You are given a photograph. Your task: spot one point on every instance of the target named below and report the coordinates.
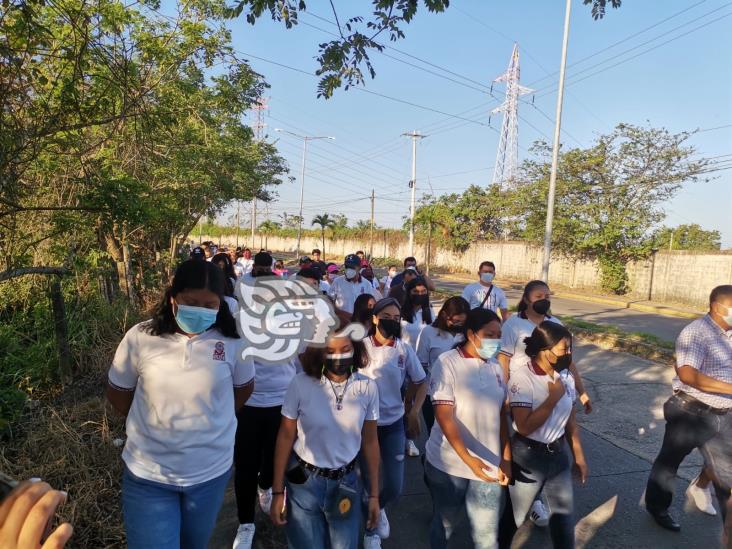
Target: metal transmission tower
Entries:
(258, 128)
(507, 155)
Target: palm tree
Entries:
(325, 222)
(268, 228)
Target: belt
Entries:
(697, 405)
(548, 447)
(331, 474)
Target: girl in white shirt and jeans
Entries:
(179, 379)
(329, 415)
(468, 453)
(541, 396)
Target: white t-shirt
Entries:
(386, 281)
(476, 390)
(513, 333)
(475, 294)
(324, 286)
(411, 330)
(246, 265)
(328, 437)
(271, 382)
(432, 343)
(181, 426)
(528, 389)
(389, 366)
(344, 292)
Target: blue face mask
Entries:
(489, 348)
(194, 320)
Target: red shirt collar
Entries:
(536, 368)
(390, 343)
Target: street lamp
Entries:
(305, 139)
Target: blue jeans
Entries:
(164, 516)
(317, 515)
(482, 501)
(391, 447)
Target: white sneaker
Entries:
(702, 497)
(383, 529)
(265, 499)
(371, 542)
(244, 536)
(412, 450)
(539, 515)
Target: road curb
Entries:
(665, 311)
(594, 299)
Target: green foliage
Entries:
(687, 237)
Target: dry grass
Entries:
(71, 448)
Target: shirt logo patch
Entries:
(400, 362)
(219, 353)
(514, 388)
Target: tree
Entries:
(608, 197)
(688, 237)
(325, 221)
(341, 59)
(268, 228)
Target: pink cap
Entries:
(332, 269)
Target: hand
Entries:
(504, 472)
(586, 402)
(479, 468)
(413, 425)
(277, 511)
(25, 515)
(374, 512)
(581, 470)
(556, 390)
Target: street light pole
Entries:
(555, 151)
(413, 184)
(305, 139)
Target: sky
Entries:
(676, 74)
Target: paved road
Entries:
(627, 320)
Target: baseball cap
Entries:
(309, 273)
(197, 253)
(352, 260)
(332, 268)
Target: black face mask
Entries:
(562, 362)
(421, 300)
(542, 306)
(455, 328)
(390, 328)
(339, 366)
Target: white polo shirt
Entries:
(528, 389)
(389, 366)
(246, 265)
(344, 292)
(411, 330)
(513, 333)
(476, 390)
(271, 382)
(432, 342)
(328, 437)
(475, 294)
(181, 426)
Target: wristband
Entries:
(278, 493)
(584, 398)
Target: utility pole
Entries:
(371, 246)
(555, 151)
(305, 139)
(238, 209)
(254, 218)
(259, 125)
(413, 185)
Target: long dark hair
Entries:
(455, 305)
(360, 309)
(228, 268)
(193, 274)
(545, 336)
(477, 318)
(408, 307)
(523, 304)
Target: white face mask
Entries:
(331, 276)
(392, 274)
(351, 273)
(487, 277)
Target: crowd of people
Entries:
(319, 442)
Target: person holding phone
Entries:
(329, 415)
(468, 453)
(546, 439)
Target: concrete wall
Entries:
(678, 276)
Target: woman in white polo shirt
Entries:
(390, 363)
(179, 378)
(468, 452)
(416, 311)
(440, 337)
(328, 417)
(541, 396)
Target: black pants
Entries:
(686, 428)
(256, 435)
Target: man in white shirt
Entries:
(246, 262)
(345, 289)
(483, 294)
